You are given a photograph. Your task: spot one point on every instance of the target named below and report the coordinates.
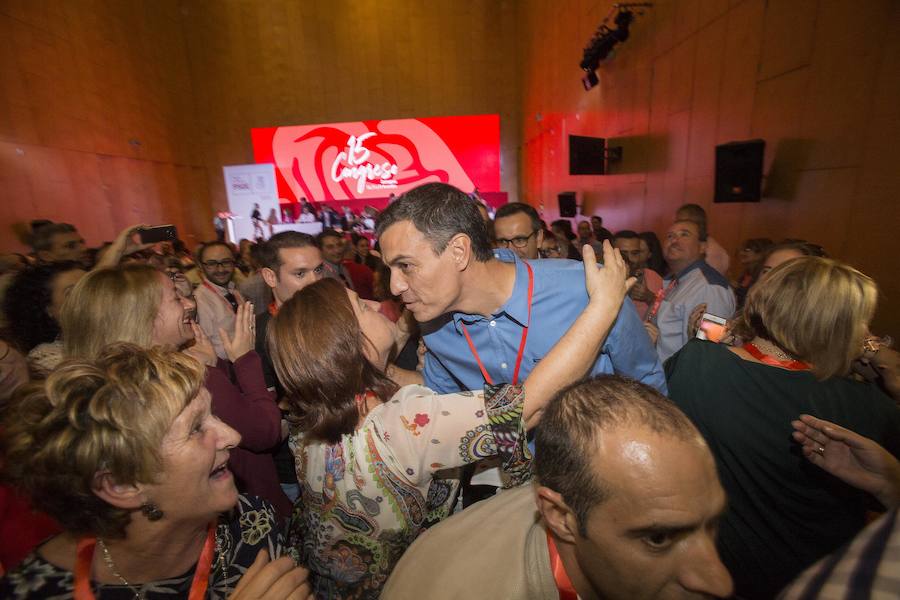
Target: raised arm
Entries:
(852, 458)
(577, 350)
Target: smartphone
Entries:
(159, 233)
(711, 328)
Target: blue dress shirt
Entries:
(559, 298)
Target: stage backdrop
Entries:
(368, 160)
(246, 186)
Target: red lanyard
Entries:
(563, 583)
(657, 302)
(791, 365)
(84, 556)
(219, 295)
(515, 378)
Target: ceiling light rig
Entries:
(605, 39)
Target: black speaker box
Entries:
(586, 155)
(739, 171)
(567, 207)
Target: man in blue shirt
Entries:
(474, 302)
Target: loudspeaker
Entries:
(567, 206)
(739, 171)
(586, 155)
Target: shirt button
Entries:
(493, 323)
(502, 365)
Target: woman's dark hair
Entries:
(655, 261)
(28, 298)
(565, 226)
(316, 346)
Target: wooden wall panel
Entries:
(281, 62)
(96, 118)
(818, 80)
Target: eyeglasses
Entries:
(517, 242)
(213, 264)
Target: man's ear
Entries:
(460, 248)
(125, 496)
(540, 238)
(703, 248)
(556, 513)
(269, 277)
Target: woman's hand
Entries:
(606, 285)
(652, 331)
(123, 245)
(850, 457)
(202, 351)
(244, 339)
(694, 320)
(273, 580)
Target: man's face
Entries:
(333, 249)
(682, 245)
(550, 248)
(584, 230)
(66, 246)
(596, 224)
(655, 536)
(631, 252)
(428, 284)
(515, 230)
(299, 268)
(218, 265)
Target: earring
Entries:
(151, 511)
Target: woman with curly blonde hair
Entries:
(124, 452)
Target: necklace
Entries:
(107, 558)
(772, 348)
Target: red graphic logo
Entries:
(372, 159)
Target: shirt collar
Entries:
(694, 265)
(516, 306)
(222, 290)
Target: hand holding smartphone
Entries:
(712, 328)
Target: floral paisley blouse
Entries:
(365, 499)
(252, 526)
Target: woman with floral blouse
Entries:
(367, 453)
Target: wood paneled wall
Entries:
(97, 123)
(283, 62)
(819, 80)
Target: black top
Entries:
(784, 513)
(251, 526)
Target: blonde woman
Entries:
(139, 304)
(805, 322)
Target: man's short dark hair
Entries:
(440, 211)
(327, 233)
(571, 427)
(267, 252)
(514, 208)
(207, 245)
(42, 235)
(693, 212)
(626, 234)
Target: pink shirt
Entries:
(654, 283)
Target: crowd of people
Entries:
(452, 405)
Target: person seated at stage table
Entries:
(149, 508)
(806, 319)
(140, 305)
(367, 453)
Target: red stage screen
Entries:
(373, 159)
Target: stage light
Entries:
(605, 39)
